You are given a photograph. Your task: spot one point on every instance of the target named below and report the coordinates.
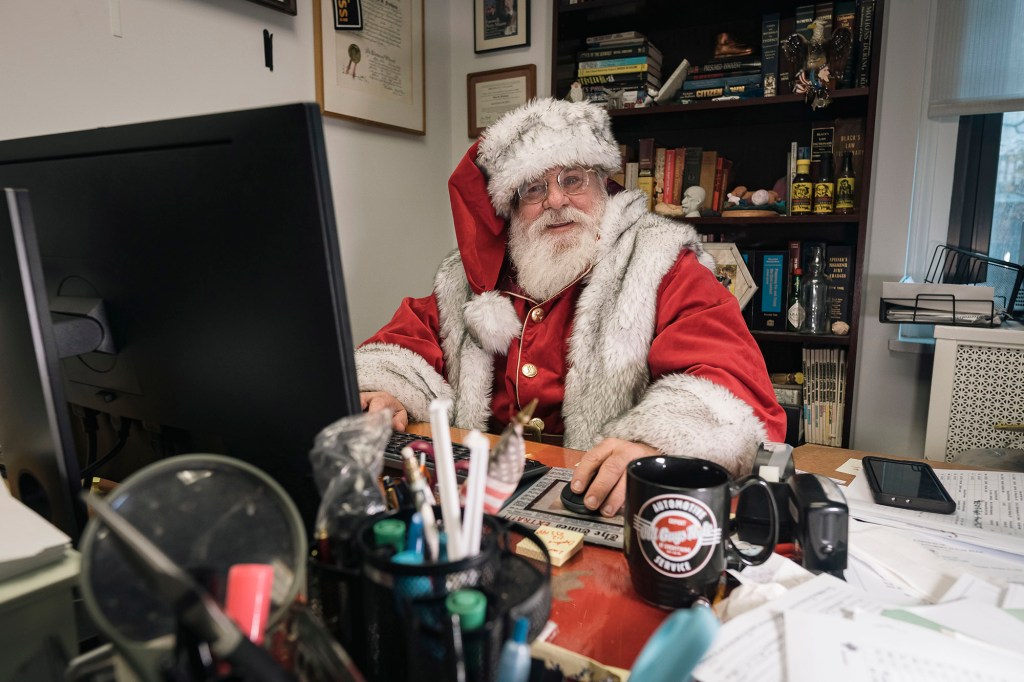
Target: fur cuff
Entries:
(492, 320)
(689, 416)
(403, 374)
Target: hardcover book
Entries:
(770, 54)
(708, 161)
(771, 296)
(839, 269)
(677, 186)
(645, 168)
(645, 50)
(846, 17)
(669, 180)
(621, 80)
(723, 168)
(619, 36)
(691, 168)
(804, 18)
(747, 79)
(787, 26)
(705, 75)
(605, 63)
(659, 174)
(727, 65)
(865, 28)
(628, 68)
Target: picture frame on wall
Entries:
(493, 93)
(286, 6)
(372, 77)
(500, 24)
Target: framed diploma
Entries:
(374, 75)
(492, 93)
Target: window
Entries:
(987, 205)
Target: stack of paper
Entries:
(931, 303)
(28, 540)
(989, 509)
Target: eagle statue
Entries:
(813, 60)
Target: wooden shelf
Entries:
(802, 339)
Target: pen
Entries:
(422, 502)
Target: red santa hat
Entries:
(543, 134)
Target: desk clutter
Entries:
(438, 586)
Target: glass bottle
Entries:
(814, 295)
(800, 201)
(846, 184)
(795, 311)
(824, 187)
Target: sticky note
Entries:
(562, 544)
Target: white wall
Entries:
(61, 70)
(910, 190)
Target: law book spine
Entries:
(846, 17)
(691, 167)
(839, 269)
(770, 54)
(865, 29)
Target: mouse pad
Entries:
(541, 503)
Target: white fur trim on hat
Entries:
(543, 134)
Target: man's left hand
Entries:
(606, 463)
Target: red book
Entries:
(669, 177)
(722, 168)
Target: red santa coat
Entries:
(648, 347)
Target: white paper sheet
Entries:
(871, 648)
(983, 621)
(27, 540)
(989, 511)
(750, 647)
(880, 583)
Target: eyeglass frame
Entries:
(558, 181)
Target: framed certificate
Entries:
(493, 93)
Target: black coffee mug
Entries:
(677, 512)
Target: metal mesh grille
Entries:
(988, 388)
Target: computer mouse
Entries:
(574, 501)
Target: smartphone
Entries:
(907, 484)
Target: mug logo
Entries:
(677, 534)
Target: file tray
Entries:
(954, 265)
(944, 309)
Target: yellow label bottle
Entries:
(800, 201)
(824, 187)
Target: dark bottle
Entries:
(824, 187)
(800, 201)
(795, 312)
(814, 295)
(846, 185)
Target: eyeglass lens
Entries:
(570, 180)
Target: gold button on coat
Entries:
(529, 370)
(537, 424)
(537, 314)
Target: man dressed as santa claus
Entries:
(609, 315)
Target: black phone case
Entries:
(944, 506)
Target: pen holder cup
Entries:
(391, 617)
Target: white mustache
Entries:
(558, 216)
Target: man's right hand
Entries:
(375, 401)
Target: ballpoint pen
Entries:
(423, 503)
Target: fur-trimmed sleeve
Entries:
(405, 359)
(689, 416)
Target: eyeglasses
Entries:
(571, 181)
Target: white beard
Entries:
(547, 263)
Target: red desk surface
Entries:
(593, 603)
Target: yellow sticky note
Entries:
(561, 544)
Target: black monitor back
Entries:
(211, 241)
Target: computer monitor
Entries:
(212, 245)
(35, 428)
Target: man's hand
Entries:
(375, 401)
(606, 464)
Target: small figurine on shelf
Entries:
(576, 92)
(814, 59)
(693, 198)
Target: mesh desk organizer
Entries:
(954, 265)
(392, 619)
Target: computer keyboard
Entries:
(399, 439)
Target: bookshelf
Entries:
(754, 133)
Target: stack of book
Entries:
(665, 173)
(824, 395)
(617, 68)
(725, 77)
